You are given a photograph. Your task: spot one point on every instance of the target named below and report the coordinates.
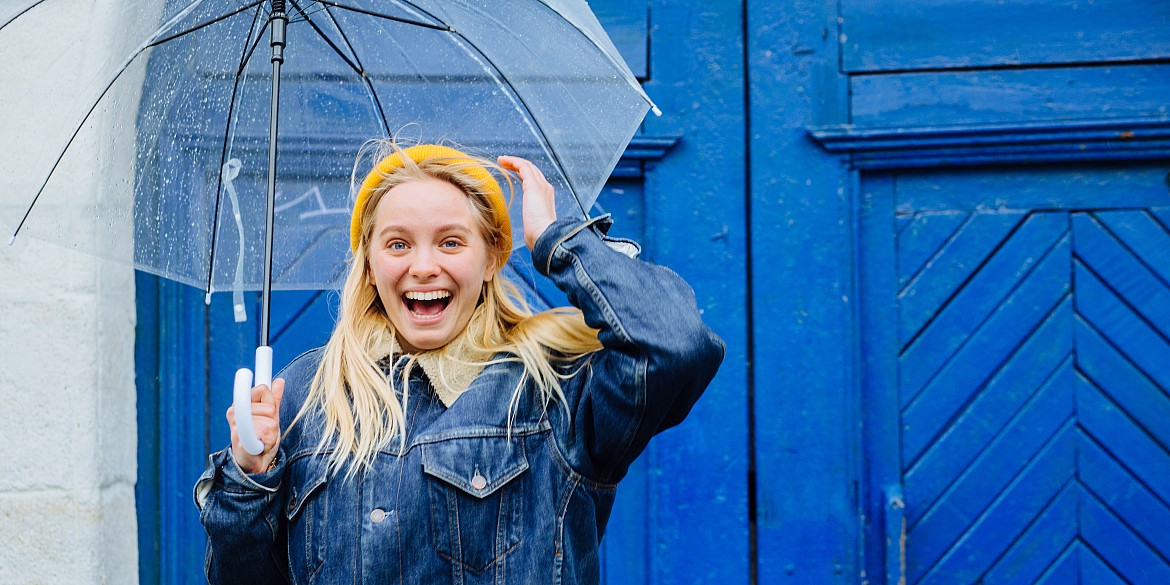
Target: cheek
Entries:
(383, 276)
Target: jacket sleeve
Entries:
(241, 513)
(657, 358)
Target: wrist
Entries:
(533, 232)
(235, 476)
(272, 464)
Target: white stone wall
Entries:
(68, 419)
(67, 395)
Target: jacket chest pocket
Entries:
(476, 489)
(305, 511)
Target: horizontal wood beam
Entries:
(965, 145)
(643, 149)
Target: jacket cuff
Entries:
(565, 230)
(222, 469)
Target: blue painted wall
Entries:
(821, 154)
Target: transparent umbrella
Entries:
(173, 121)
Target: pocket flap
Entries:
(306, 476)
(476, 465)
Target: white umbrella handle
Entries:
(242, 398)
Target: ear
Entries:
(490, 271)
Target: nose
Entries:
(425, 265)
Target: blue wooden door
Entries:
(1017, 379)
(986, 256)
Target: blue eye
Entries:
(451, 244)
(397, 246)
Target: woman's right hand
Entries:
(266, 420)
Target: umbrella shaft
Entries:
(279, 22)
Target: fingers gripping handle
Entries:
(242, 399)
(264, 366)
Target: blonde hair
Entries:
(360, 403)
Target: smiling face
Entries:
(429, 261)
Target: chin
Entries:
(424, 342)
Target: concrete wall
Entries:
(67, 424)
(68, 438)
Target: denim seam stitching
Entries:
(479, 433)
(642, 394)
(574, 475)
(564, 509)
(598, 297)
(576, 230)
(619, 330)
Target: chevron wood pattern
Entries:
(1034, 385)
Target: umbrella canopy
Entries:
(170, 121)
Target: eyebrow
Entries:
(448, 228)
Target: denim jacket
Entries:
(472, 500)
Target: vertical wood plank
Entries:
(183, 428)
(627, 25)
(880, 402)
(230, 346)
(695, 225)
(803, 314)
(146, 489)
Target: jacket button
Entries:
(478, 482)
(377, 515)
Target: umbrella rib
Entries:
(365, 78)
(633, 81)
(304, 13)
(22, 13)
(386, 16)
(206, 24)
(545, 143)
(245, 56)
(354, 66)
(80, 124)
(252, 49)
(418, 8)
(612, 61)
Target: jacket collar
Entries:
(451, 369)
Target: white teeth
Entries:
(427, 296)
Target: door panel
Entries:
(897, 35)
(1011, 96)
(1029, 418)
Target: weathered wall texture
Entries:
(67, 424)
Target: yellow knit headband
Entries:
(419, 154)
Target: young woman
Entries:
(445, 434)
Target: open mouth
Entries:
(427, 305)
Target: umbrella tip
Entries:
(654, 108)
(12, 239)
(207, 299)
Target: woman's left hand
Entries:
(540, 207)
